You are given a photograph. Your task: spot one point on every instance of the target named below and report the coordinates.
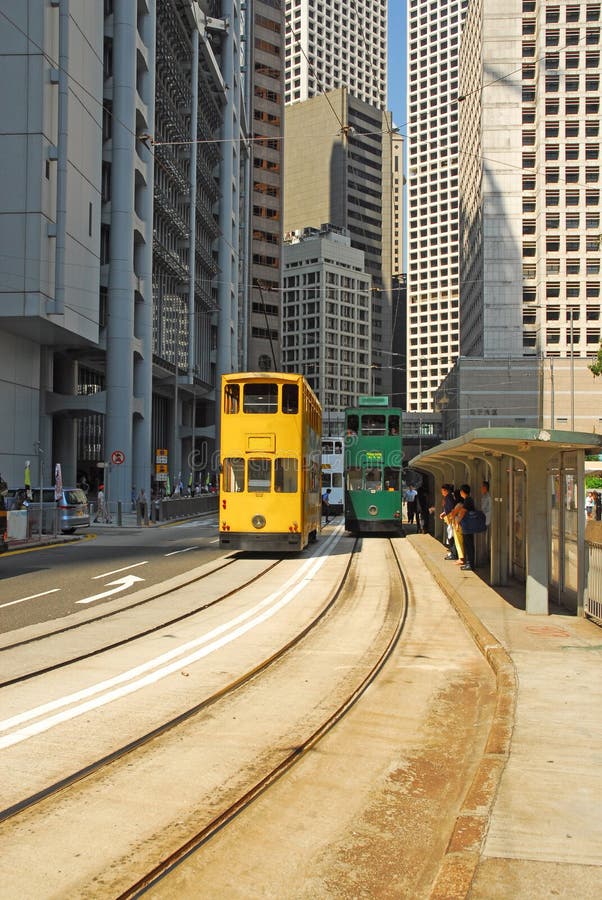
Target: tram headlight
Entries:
(258, 521)
(373, 510)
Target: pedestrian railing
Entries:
(592, 602)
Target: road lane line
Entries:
(167, 663)
(125, 568)
(175, 552)
(32, 597)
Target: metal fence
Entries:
(592, 604)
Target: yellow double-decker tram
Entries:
(270, 462)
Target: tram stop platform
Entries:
(531, 825)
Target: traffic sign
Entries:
(117, 457)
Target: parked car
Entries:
(69, 512)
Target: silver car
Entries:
(69, 512)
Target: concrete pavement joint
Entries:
(463, 852)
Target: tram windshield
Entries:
(260, 475)
(374, 479)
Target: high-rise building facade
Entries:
(262, 350)
(330, 43)
(326, 310)
(530, 202)
(346, 181)
(434, 31)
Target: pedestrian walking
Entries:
(326, 505)
(142, 507)
(102, 513)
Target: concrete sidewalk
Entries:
(531, 825)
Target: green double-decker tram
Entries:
(373, 467)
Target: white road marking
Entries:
(31, 597)
(141, 676)
(122, 584)
(175, 552)
(116, 571)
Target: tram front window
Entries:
(354, 478)
(260, 475)
(285, 475)
(391, 479)
(260, 398)
(234, 474)
(374, 479)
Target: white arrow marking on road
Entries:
(122, 584)
(185, 550)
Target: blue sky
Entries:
(397, 55)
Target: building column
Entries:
(120, 321)
(142, 451)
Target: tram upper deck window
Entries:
(393, 424)
(231, 399)
(353, 425)
(374, 424)
(260, 398)
(234, 474)
(290, 399)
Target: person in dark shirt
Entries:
(469, 552)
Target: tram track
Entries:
(162, 729)
(158, 595)
(296, 751)
(296, 754)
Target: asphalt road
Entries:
(52, 582)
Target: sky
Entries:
(397, 62)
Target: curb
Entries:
(463, 851)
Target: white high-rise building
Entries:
(530, 205)
(433, 196)
(331, 43)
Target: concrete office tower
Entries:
(50, 218)
(346, 181)
(326, 309)
(262, 334)
(433, 195)
(88, 257)
(529, 179)
(331, 43)
(201, 172)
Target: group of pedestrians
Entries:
(456, 505)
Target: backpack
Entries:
(473, 522)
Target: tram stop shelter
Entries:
(537, 486)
